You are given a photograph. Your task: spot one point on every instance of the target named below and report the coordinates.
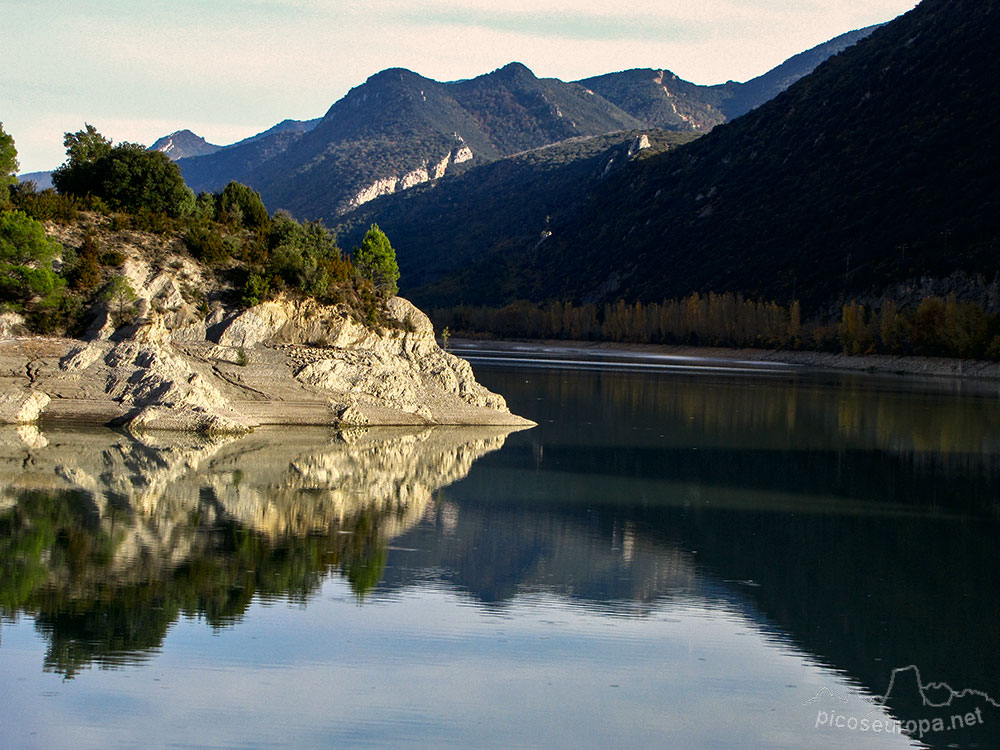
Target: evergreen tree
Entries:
(8, 165)
(240, 204)
(84, 149)
(376, 260)
(127, 176)
(27, 281)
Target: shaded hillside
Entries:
(212, 172)
(400, 129)
(878, 168)
(661, 99)
(393, 124)
(498, 207)
(739, 98)
(42, 180)
(285, 126)
(518, 111)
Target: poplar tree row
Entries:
(708, 320)
(941, 327)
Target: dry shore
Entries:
(260, 367)
(206, 387)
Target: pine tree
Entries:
(8, 165)
(376, 260)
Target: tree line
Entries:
(941, 327)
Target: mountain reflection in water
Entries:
(853, 517)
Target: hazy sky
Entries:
(228, 69)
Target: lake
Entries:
(683, 553)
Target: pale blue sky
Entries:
(228, 69)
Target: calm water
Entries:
(677, 556)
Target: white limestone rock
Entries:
(21, 407)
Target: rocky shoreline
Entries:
(284, 362)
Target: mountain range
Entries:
(400, 129)
(662, 100)
(858, 167)
(872, 176)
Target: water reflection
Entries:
(816, 435)
(854, 518)
(727, 545)
(107, 538)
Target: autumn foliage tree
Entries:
(936, 327)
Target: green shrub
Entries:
(256, 289)
(84, 273)
(241, 205)
(47, 205)
(112, 258)
(206, 243)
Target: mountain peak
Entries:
(515, 71)
(394, 75)
(183, 143)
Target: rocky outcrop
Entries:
(282, 362)
(440, 168)
(365, 371)
(640, 143)
(11, 324)
(427, 172)
(416, 177)
(171, 360)
(162, 390)
(384, 186)
(22, 407)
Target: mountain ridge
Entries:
(399, 129)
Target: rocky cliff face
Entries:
(286, 361)
(283, 362)
(430, 171)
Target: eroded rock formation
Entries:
(286, 361)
